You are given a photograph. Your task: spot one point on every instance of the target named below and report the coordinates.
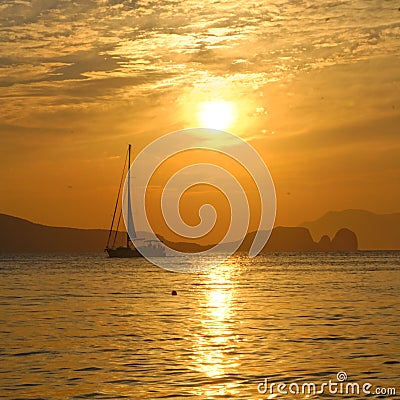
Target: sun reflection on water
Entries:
(215, 342)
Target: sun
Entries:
(216, 114)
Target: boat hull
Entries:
(128, 252)
(123, 252)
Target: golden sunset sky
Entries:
(314, 86)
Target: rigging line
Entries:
(116, 203)
(116, 229)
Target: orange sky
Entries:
(313, 87)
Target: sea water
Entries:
(89, 327)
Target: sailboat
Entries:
(149, 247)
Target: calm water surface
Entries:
(77, 327)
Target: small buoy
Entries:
(174, 293)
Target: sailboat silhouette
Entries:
(148, 247)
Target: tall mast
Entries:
(116, 206)
(129, 196)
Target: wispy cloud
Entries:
(160, 45)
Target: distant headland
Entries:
(18, 235)
(346, 230)
(374, 231)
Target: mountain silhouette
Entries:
(18, 235)
(374, 231)
(294, 239)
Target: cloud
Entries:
(62, 53)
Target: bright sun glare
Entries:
(216, 114)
